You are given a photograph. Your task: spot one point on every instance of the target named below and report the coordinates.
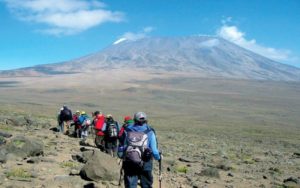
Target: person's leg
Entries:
(61, 126)
(130, 181)
(99, 142)
(146, 179)
(108, 147)
(115, 148)
(65, 127)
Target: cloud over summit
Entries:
(233, 34)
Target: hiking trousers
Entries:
(132, 175)
(111, 147)
(146, 180)
(99, 141)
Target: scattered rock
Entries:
(224, 166)
(2, 141)
(33, 160)
(47, 160)
(208, 182)
(2, 156)
(292, 182)
(210, 172)
(100, 166)
(79, 158)
(74, 172)
(182, 159)
(53, 153)
(89, 185)
(6, 135)
(25, 147)
(274, 170)
(296, 154)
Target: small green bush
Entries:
(182, 169)
(19, 173)
(18, 143)
(68, 164)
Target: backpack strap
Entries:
(149, 129)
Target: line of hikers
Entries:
(134, 142)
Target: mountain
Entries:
(201, 55)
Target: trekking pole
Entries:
(121, 173)
(160, 169)
(94, 135)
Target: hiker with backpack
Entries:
(138, 151)
(76, 124)
(99, 121)
(64, 119)
(127, 122)
(85, 122)
(111, 129)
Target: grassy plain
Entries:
(251, 126)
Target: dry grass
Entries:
(244, 122)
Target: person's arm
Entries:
(103, 127)
(153, 146)
(121, 131)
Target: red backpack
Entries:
(99, 125)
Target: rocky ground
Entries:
(32, 155)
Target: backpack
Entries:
(66, 114)
(112, 130)
(86, 122)
(137, 151)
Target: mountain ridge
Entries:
(204, 55)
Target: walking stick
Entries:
(121, 172)
(160, 169)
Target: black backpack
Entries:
(112, 130)
(66, 114)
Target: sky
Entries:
(36, 32)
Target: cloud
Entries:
(63, 17)
(134, 36)
(233, 34)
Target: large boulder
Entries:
(100, 167)
(2, 141)
(16, 120)
(21, 146)
(6, 135)
(2, 155)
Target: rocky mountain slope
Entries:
(199, 55)
(31, 155)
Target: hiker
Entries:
(127, 121)
(139, 149)
(99, 120)
(111, 129)
(64, 119)
(85, 123)
(76, 124)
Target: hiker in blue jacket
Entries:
(85, 122)
(136, 167)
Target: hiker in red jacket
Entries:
(99, 121)
(76, 124)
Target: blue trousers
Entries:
(132, 175)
